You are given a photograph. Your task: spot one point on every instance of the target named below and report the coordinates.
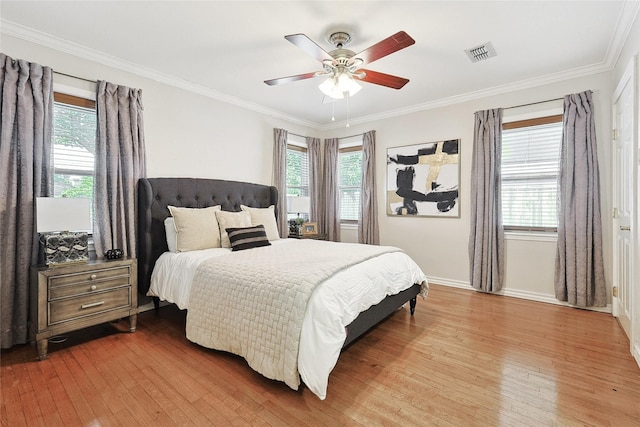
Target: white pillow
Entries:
(231, 220)
(172, 235)
(196, 228)
(266, 217)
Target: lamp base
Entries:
(64, 248)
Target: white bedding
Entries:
(333, 305)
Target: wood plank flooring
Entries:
(464, 359)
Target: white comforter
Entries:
(333, 305)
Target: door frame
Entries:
(630, 75)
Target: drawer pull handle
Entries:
(93, 287)
(93, 304)
(93, 276)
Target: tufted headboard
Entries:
(155, 194)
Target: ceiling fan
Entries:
(343, 66)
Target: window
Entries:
(349, 182)
(74, 142)
(297, 173)
(530, 162)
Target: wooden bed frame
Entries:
(155, 194)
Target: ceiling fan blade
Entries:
(391, 44)
(309, 46)
(282, 80)
(383, 79)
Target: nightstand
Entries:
(70, 297)
(309, 236)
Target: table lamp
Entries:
(297, 205)
(63, 224)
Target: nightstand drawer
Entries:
(73, 308)
(88, 287)
(93, 275)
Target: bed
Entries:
(159, 277)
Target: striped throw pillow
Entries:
(247, 237)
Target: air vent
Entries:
(480, 53)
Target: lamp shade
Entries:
(62, 214)
(336, 86)
(299, 204)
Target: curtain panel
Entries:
(579, 269)
(368, 231)
(315, 182)
(486, 237)
(280, 137)
(120, 161)
(26, 172)
(332, 196)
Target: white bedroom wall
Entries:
(187, 134)
(439, 245)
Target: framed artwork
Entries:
(309, 228)
(423, 179)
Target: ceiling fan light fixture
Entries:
(336, 86)
(330, 88)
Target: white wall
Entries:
(439, 245)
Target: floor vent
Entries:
(480, 53)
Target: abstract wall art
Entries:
(423, 179)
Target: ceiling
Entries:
(226, 49)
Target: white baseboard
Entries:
(515, 293)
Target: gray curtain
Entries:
(486, 238)
(26, 172)
(332, 200)
(368, 231)
(120, 162)
(315, 181)
(280, 137)
(579, 271)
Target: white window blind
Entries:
(297, 174)
(349, 182)
(74, 142)
(530, 162)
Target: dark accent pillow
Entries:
(247, 237)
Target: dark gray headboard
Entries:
(155, 194)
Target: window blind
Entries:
(349, 182)
(530, 161)
(74, 141)
(297, 174)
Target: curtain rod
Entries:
(533, 103)
(342, 137)
(74, 77)
(351, 136)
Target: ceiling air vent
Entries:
(480, 53)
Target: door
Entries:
(623, 135)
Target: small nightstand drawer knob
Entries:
(93, 276)
(93, 287)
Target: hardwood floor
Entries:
(464, 359)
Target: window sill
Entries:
(531, 236)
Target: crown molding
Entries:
(480, 94)
(47, 40)
(628, 14)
